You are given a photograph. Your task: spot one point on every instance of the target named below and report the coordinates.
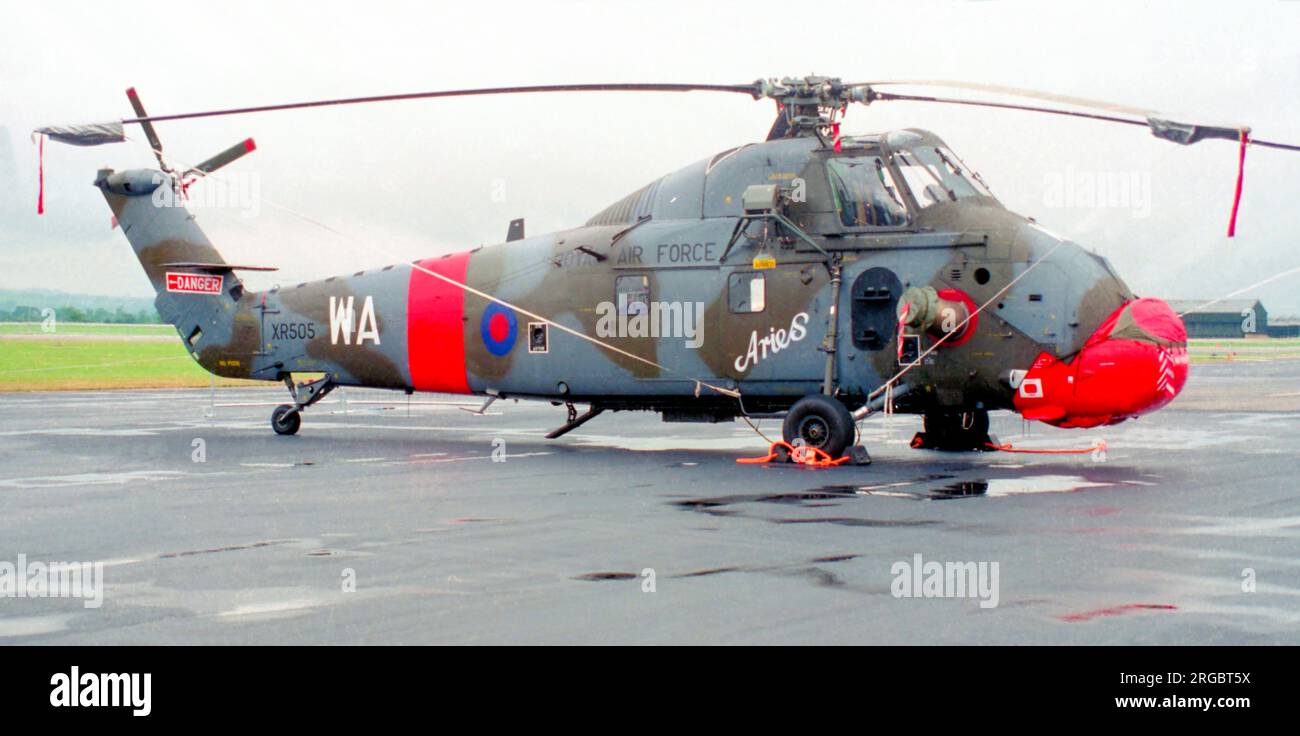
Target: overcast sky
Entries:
(422, 178)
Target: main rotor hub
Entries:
(810, 104)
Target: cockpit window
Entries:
(865, 192)
(935, 174)
(956, 168)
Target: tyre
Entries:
(821, 422)
(286, 420)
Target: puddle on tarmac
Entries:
(930, 486)
(855, 521)
(996, 487)
(809, 498)
(814, 574)
(710, 571)
(821, 577)
(91, 479)
(812, 571)
(835, 558)
(600, 576)
(228, 548)
(34, 625)
(962, 488)
(1116, 611)
(267, 610)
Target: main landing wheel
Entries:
(286, 419)
(821, 422)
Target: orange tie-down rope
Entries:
(1099, 447)
(801, 454)
(813, 457)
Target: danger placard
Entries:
(193, 283)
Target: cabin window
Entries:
(865, 192)
(746, 292)
(632, 294)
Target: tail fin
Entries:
(156, 223)
(198, 292)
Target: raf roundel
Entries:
(499, 329)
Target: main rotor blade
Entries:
(1019, 92)
(221, 159)
(145, 120)
(149, 132)
(890, 96)
(1178, 132)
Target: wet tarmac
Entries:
(387, 523)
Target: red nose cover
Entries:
(1136, 362)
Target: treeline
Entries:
(117, 316)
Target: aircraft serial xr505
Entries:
(800, 277)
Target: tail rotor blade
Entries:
(149, 132)
(225, 157)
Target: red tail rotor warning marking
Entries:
(435, 326)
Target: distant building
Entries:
(1225, 319)
(1284, 327)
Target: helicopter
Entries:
(814, 276)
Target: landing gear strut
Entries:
(955, 432)
(287, 418)
(574, 421)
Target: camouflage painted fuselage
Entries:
(661, 248)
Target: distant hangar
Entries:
(1232, 318)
